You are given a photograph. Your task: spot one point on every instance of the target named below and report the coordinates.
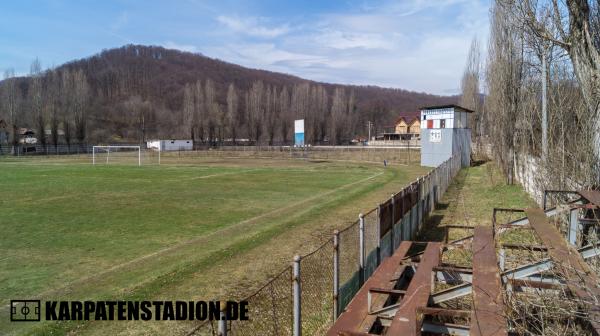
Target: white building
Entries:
(170, 145)
(445, 132)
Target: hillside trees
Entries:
(164, 78)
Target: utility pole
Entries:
(544, 107)
(369, 124)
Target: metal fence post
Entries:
(378, 234)
(361, 248)
(297, 328)
(573, 225)
(222, 326)
(336, 273)
(392, 246)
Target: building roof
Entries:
(454, 106)
(408, 117)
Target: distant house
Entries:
(405, 128)
(27, 136)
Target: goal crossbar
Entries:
(108, 147)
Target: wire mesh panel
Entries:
(398, 206)
(413, 221)
(405, 226)
(371, 242)
(385, 217)
(386, 245)
(316, 274)
(397, 232)
(349, 254)
(269, 309)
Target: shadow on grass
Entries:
(431, 230)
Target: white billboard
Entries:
(299, 132)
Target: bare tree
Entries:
(285, 118)
(572, 26)
(470, 83)
(67, 104)
(189, 113)
(81, 93)
(338, 116)
(11, 98)
(35, 93)
(232, 112)
(52, 106)
(256, 111)
(212, 111)
(200, 114)
(351, 116)
(504, 75)
(271, 113)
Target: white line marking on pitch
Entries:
(201, 238)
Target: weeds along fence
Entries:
(307, 297)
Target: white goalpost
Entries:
(117, 152)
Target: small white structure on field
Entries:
(445, 132)
(170, 145)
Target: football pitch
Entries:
(199, 230)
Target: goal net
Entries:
(117, 155)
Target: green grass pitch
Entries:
(71, 230)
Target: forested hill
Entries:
(136, 92)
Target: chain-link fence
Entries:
(308, 297)
(350, 264)
(316, 282)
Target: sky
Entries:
(417, 45)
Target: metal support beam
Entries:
(361, 248)
(445, 329)
(573, 226)
(417, 293)
(487, 318)
(336, 273)
(297, 325)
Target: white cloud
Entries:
(417, 45)
(252, 26)
(348, 40)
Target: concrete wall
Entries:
(453, 140)
(434, 153)
(462, 143)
